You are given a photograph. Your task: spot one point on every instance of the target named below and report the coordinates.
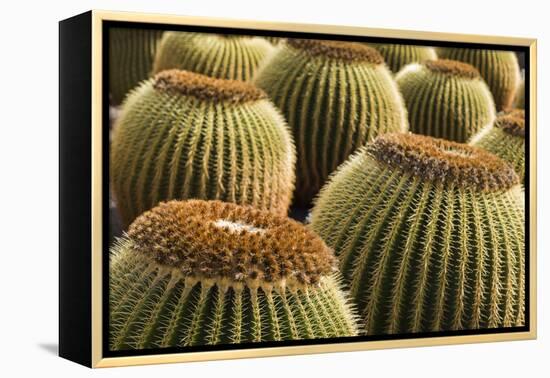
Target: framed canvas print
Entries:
(235, 189)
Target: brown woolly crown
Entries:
(207, 88)
(512, 122)
(452, 67)
(347, 51)
(444, 161)
(218, 240)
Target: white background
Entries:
(29, 189)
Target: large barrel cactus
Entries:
(131, 54)
(506, 139)
(222, 56)
(184, 135)
(500, 69)
(429, 233)
(446, 99)
(398, 56)
(207, 272)
(336, 96)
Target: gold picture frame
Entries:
(97, 359)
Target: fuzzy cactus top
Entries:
(208, 272)
(506, 139)
(346, 51)
(499, 69)
(207, 88)
(231, 243)
(512, 122)
(452, 68)
(444, 161)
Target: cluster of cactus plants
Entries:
(220, 137)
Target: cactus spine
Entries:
(398, 56)
(184, 135)
(221, 56)
(446, 99)
(207, 272)
(500, 69)
(506, 139)
(335, 96)
(429, 234)
(131, 54)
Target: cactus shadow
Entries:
(52, 348)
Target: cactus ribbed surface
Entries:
(336, 96)
(500, 69)
(506, 139)
(185, 135)
(446, 99)
(397, 56)
(131, 54)
(207, 272)
(519, 100)
(218, 55)
(429, 235)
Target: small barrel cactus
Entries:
(336, 96)
(446, 99)
(207, 272)
(519, 99)
(430, 235)
(131, 54)
(506, 139)
(500, 69)
(223, 56)
(398, 56)
(185, 135)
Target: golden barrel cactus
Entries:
(336, 96)
(185, 135)
(446, 99)
(207, 272)
(430, 235)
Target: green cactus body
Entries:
(446, 99)
(207, 272)
(429, 235)
(398, 56)
(221, 56)
(519, 100)
(131, 54)
(336, 96)
(184, 135)
(500, 69)
(506, 139)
